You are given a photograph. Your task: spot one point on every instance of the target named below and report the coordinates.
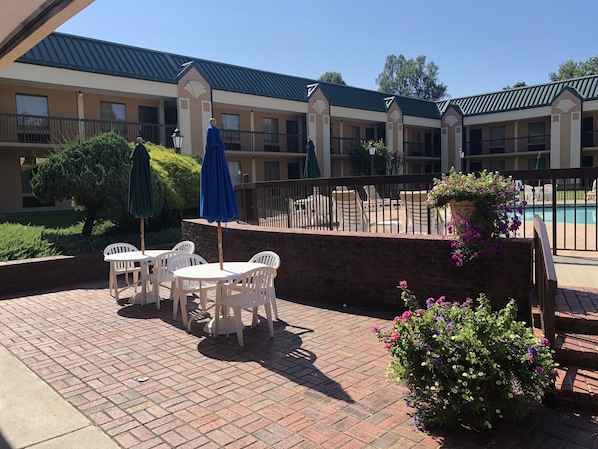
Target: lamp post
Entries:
(462, 157)
(177, 140)
(372, 150)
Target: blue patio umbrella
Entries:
(312, 169)
(141, 193)
(217, 202)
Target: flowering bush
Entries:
(465, 364)
(496, 212)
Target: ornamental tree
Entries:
(94, 174)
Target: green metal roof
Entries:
(417, 107)
(96, 56)
(522, 97)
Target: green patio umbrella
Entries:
(141, 192)
(312, 170)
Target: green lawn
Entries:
(34, 234)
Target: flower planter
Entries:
(462, 209)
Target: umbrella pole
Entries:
(142, 226)
(220, 257)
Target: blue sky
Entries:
(479, 46)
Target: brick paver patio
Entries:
(319, 383)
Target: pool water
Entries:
(569, 213)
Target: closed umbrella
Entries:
(312, 169)
(217, 202)
(141, 192)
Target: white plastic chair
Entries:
(418, 213)
(160, 275)
(186, 246)
(349, 210)
(271, 259)
(252, 291)
(528, 193)
(186, 260)
(547, 192)
(121, 268)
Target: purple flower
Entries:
(545, 341)
(438, 362)
(539, 370)
(449, 325)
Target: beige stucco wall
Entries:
(565, 131)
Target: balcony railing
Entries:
(511, 145)
(419, 149)
(60, 130)
(259, 141)
(344, 145)
(589, 138)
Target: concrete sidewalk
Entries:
(34, 416)
(576, 269)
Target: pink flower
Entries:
(403, 284)
(394, 337)
(406, 316)
(375, 329)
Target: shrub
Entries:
(464, 363)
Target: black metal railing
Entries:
(419, 149)
(46, 130)
(563, 198)
(507, 145)
(344, 145)
(260, 141)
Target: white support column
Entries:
(458, 144)
(81, 115)
(555, 141)
(575, 145)
(326, 145)
(206, 115)
(444, 149)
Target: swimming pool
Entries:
(568, 213)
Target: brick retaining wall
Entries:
(327, 267)
(365, 268)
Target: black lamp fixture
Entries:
(372, 151)
(462, 157)
(177, 140)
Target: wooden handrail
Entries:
(545, 279)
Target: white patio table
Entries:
(210, 272)
(143, 258)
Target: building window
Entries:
(234, 169)
(497, 139)
(113, 116)
(271, 171)
(231, 127)
(354, 137)
(32, 121)
(416, 143)
(28, 167)
(536, 136)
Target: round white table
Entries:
(210, 272)
(143, 258)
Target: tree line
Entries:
(416, 78)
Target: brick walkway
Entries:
(319, 383)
